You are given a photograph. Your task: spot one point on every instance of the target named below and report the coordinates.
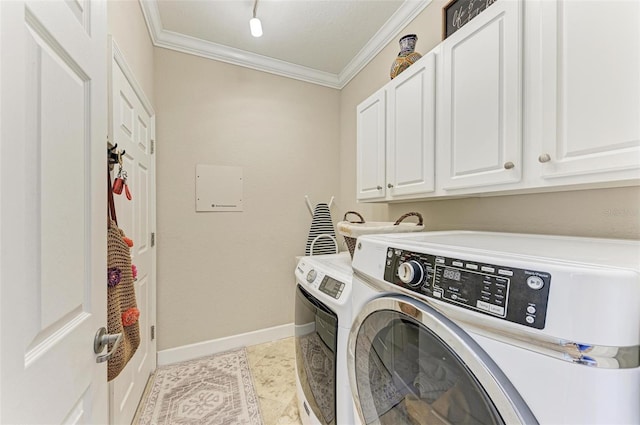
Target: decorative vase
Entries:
(407, 56)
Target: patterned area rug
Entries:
(215, 390)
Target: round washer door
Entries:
(410, 364)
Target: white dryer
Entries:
(323, 317)
(495, 328)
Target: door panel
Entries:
(411, 130)
(591, 122)
(316, 340)
(133, 130)
(480, 132)
(53, 211)
(371, 128)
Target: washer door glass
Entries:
(406, 374)
(316, 337)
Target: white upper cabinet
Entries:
(396, 136)
(590, 91)
(371, 136)
(411, 130)
(535, 95)
(480, 115)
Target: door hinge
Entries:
(153, 332)
(153, 239)
(153, 146)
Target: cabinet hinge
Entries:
(153, 146)
(153, 332)
(153, 239)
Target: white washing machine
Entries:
(495, 328)
(322, 322)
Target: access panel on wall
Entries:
(218, 188)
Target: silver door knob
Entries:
(545, 157)
(379, 187)
(389, 185)
(101, 340)
(509, 165)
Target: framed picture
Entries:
(458, 13)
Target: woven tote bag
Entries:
(122, 309)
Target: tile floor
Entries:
(273, 366)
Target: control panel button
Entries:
(471, 266)
(531, 309)
(488, 269)
(496, 309)
(535, 282)
(457, 263)
(483, 305)
(390, 253)
(411, 273)
(311, 276)
(530, 319)
(505, 272)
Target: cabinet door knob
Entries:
(379, 187)
(389, 185)
(509, 165)
(545, 157)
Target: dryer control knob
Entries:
(411, 273)
(311, 276)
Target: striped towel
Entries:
(321, 224)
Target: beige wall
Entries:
(129, 30)
(222, 274)
(608, 213)
(598, 213)
(375, 75)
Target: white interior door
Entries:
(53, 211)
(132, 127)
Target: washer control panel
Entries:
(331, 287)
(516, 295)
(317, 279)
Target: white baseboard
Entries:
(206, 348)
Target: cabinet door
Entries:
(480, 136)
(590, 63)
(411, 130)
(370, 166)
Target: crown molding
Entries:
(398, 21)
(151, 15)
(209, 50)
(206, 49)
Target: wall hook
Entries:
(113, 155)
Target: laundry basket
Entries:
(352, 229)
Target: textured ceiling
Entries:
(321, 41)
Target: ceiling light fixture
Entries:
(254, 23)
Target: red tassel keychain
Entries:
(120, 182)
